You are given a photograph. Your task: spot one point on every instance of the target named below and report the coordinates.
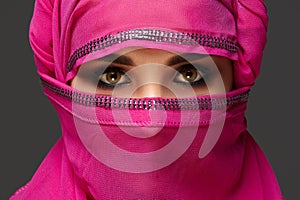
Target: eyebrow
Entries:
(125, 60)
(117, 59)
(185, 57)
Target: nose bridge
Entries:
(153, 90)
(152, 80)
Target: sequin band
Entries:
(191, 39)
(196, 103)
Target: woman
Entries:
(151, 96)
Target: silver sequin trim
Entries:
(191, 39)
(148, 104)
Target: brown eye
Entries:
(113, 77)
(190, 74)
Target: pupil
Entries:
(189, 74)
(113, 77)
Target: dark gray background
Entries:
(30, 127)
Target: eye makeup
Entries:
(113, 77)
(107, 77)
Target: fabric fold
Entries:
(149, 148)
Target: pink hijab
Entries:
(66, 33)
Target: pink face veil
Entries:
(186, 148)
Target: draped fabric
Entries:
(85, 165)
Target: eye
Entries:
(188, 74)
(113, 76)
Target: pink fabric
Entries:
(71, 24)
(235, 168)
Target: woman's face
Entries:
(155, 73)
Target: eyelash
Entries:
(104, 85)
(203, 71)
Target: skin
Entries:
(155, 73)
